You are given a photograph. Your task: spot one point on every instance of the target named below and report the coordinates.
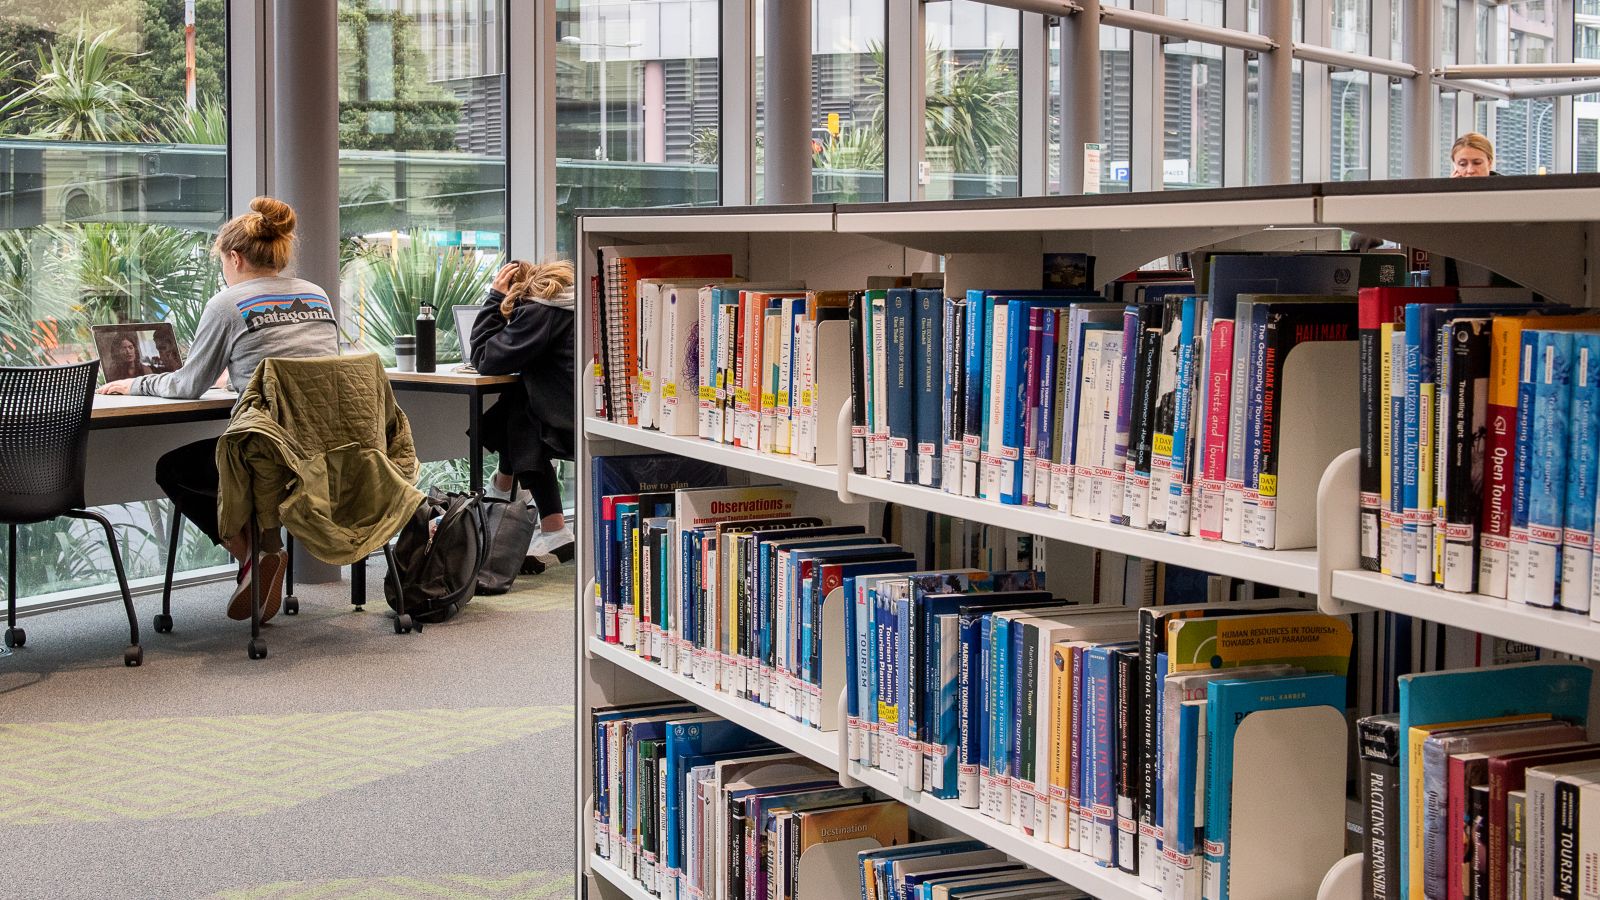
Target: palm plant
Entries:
(10, 99)
(972, 109)
(135, 272)
(206, 123)
(392, 281)
(81, 91)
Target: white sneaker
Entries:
(490, 491)
(553, 546)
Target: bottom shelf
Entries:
(614, 876)
(1073, 868)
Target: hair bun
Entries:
(273, 217)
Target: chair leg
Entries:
(291, 604)
(163, 621)
(134, 655)
(403, 624)
(15, 637)
(257, 648)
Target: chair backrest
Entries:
(44, 439)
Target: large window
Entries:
(113, 179)
(636, 105)
(1252, 157)
(848, 119)
(971, 139)
(422, 164)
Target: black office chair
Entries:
(163, 619)
(44, 448)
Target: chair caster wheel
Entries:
(403, 624)
(163, 623)
(258, 649)
(16, 637)
(133, 656)
(291, 606)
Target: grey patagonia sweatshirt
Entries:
(241, 326)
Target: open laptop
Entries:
(130, 349)
(466, 317)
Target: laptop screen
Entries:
(466, 318)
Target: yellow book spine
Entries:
(1385, 434)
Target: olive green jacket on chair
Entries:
(320, 447)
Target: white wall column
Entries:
(1275, 142)
(905, 99)
(786, 146)
(1416, 94)
(531, 130)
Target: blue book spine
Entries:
(970, 631)
(889, 697)
(1547, 481)
(998, 805)
(1577, 540)
(1180, 488)
(905, 729)
(1409, 436)
(988, 444)
(1157, 814)
(980, 691)
(872, 678)
(1019, 685)
(901, 411)
(882, 660)
(1014, 417)
(947, 649)
(1517, 553)
(1397, 407)
(973, 400)
(1183, 844)
(1248, 534)
(1131, 333)
(1088, 733)
(853, 669)
(929, 374)
(1103, 750)
(1044, 429)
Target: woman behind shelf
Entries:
(529, 333)
(259, 314)
(1472, 156)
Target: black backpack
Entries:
(439, 570)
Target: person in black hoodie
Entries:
(529, 333)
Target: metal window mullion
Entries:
(736, 73)
(1082, 94)
(1418, 112)
(1316, 99)
(1564, 17)
(1033, 110)
(249, 100)
(1148, 154)
(1379, 42)
(530, 116)
(906, 46)
(1467, 37)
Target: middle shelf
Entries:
(1294, 570)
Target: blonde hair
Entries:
(264, 236)
(1475, 141)
(536, 281)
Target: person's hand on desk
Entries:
(121, 386)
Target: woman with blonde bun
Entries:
(259, 314)
(528, 332)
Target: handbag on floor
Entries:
(439, 554)
(511, 525)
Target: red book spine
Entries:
(1214, 465)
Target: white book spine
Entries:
(990, 474)
(1090, 429)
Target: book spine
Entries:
(1370, 392)
(1475, 872)
(1249, 521)
(1378, 743)
(1103, 487)
(1577, 536)
(1426, 400)
(1076, 760)
(858, 396)
(899, 316)
(955, 315)
(1126, 390)
(1166, 372)
(1069, 359)
(1239, 386)
(1214, 464)
(1499, 475)
(1527, 390)
(1564, 842)
(968, 704)
(996, 360)
(1033, 386)
(1463, 470)
(974, 373)
(929, 375)
(1104, 749)
(1128, 686)
(1141, 437)
(1061, 702)
(879, 379)
(1435, 793)
(1089, 401)
(1048, 425)
(1180, 489)
(1390, 523)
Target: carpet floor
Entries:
(350, 763)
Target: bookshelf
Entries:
(1538, 230)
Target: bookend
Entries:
(1318, 420)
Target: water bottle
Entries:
(426, 340)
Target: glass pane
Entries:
(1252, 162)
(847, 95)
(1396, 135)
(971, 141)
(1349, 126)
(113, 181)
(636, 106)
(1116, 113)
(1447, 131)
(1192, 97)
(422, 171)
